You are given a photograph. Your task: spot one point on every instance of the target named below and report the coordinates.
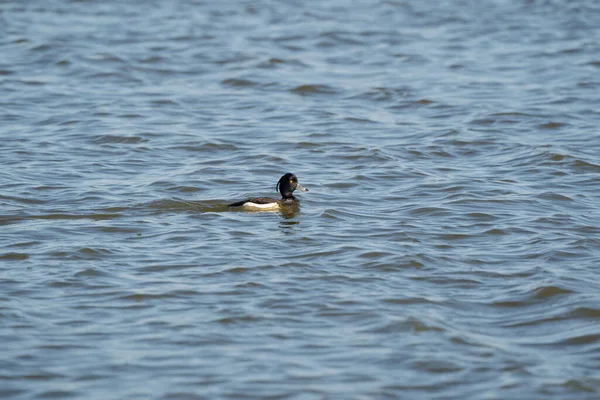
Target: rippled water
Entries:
(448, 248)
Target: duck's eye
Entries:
(291, 181)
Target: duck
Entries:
(286, 186)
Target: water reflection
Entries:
(289, 212)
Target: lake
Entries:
(448, 247)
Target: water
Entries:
(448, 247)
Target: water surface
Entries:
(448, 247)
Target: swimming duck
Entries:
(286, 186)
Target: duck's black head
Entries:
(287, 184)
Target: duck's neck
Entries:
(285, 197)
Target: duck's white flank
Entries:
(263, 207)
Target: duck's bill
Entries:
(300, 187)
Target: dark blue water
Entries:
(448, 247)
